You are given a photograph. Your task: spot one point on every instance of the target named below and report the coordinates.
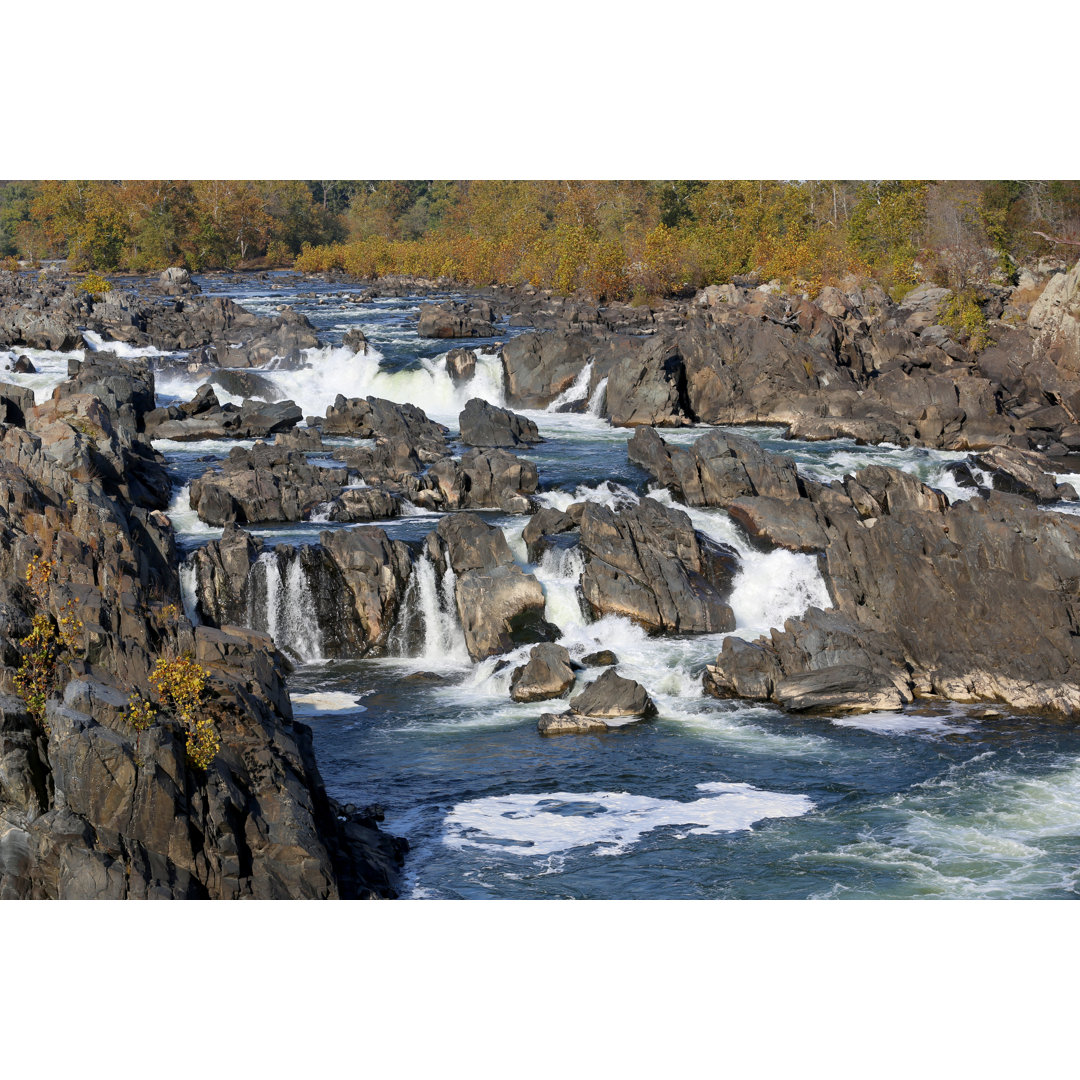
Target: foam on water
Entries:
(576, 391)
(608, 493)
(322, 702)
(891, 723)
(770, 586)
(121, 348)
(51, 369)
(185, 521)
(552, 822)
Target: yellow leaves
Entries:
(181, 686)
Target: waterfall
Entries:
(598, 399)
(577, 391)
(559, 572)
(189, 592)
(284, 606)
(428, 627)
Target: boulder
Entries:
(547, 674)
(454, 320)
(570, 723)
(483, 424)
(611, 697)
(647, 563)
(544, 523)
(501, 609)
(461, 365)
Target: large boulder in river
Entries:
(483, 424)
(501, 609)
(497, 478)
(461, 365)
(611, 697)
(386, 422)
(570, 723)
(646, 562)
(500, 606)
(547, 674)
(716, 469)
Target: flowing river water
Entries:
(710, 799)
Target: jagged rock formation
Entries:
(89, 807)
(646, 562)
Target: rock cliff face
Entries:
(89, 806)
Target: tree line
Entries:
(613, 239)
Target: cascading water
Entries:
(577, 391)
(334, 370)
(189, 592)
(283, 606)
(598, 399)
(428, 629)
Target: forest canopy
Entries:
(624, 239)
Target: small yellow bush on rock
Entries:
(181, 688)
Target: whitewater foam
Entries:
(552, 822)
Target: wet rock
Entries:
(471, 544)
(547, 674)
(356, 341)
(387, 422)
(1024, 472)
(205, 418)
(717, 469)
(496, 478)
(611, 697)
(569, 723)
(376, 571)
(482, 424)
(544, 523)
(461, 365)
(501, 609)
(647, 563)
(265, 483)
(603, 658)
(23, 365)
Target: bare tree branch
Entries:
(1056, 239)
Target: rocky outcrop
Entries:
(544, 523)
(496, 478)
(386, 422)
(91, 808)
(265, 483)
(461, 365)
(548, 674)
(975, 601)
(454, 320)
(611, 697)
(1054, 321)
(482, 424)
(351, 585)
(647, 563)
(204, 417)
